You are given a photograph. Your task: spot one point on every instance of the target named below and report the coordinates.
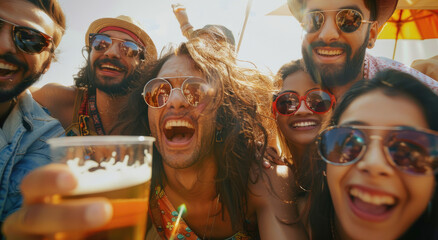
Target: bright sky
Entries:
(269, 41)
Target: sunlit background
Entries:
(268, 41)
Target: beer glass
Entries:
(116, 167)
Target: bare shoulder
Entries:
(272, 197)
(54, 93)
(275, 182)
(58, 99)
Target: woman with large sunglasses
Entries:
(300, 109)
(378, 175)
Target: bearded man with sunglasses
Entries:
(30, 31)
(117, 48)
(338, 32)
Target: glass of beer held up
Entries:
(116, 167)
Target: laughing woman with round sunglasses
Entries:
(378, 177)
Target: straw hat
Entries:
(385, 8)
(129, 24)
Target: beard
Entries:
(332, 75)
(7, 95)
(114, 89)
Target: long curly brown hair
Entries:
(242, 104)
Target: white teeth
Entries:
(111, 67)
(9, 67)
(304, 124)
(372, 199)
(178, 123)
(329, 52)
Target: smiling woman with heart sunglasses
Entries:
(379, 168)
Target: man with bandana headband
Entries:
(338, 32)
(117, 48)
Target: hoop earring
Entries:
(219, 137)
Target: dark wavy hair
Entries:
(391, 83)
(242, 94)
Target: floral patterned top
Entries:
(165, 217)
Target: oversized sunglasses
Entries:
(410, 150)
(157, 91)
(28, 40)
(101, 42)
(347, 20)
(316, 100)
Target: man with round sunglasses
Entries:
(337, 34)
(206, 114)
(117, 49)
(30, 31)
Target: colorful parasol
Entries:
(410, 24)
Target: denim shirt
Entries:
(23, 147)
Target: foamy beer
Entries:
(116, 167)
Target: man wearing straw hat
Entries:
(338, 32)
(117, 48)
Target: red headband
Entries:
(119, 29)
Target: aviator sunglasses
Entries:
(316, 100)
(157, 91)
(28, 40)
(347, 20)
(411, 150)
(101, 42)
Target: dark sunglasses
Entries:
(410, 150)
(157, 91)
(347, 20)
(316, 100)
(28, 40)
(101, 42)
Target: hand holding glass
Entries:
(116, 167)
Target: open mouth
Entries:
(7, 69)
(305, 124)
(110, 67)
(370, 205)
(329, 52)
(178, 131)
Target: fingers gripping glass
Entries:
(101, 42)
(410, 150)
(347, 20)
(156, 92)
(28, 40)
(318, 101)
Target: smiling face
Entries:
(333, 57)
(18, 70)
(184, 133)
(112, 70)
(302, 127)
(371, 197)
